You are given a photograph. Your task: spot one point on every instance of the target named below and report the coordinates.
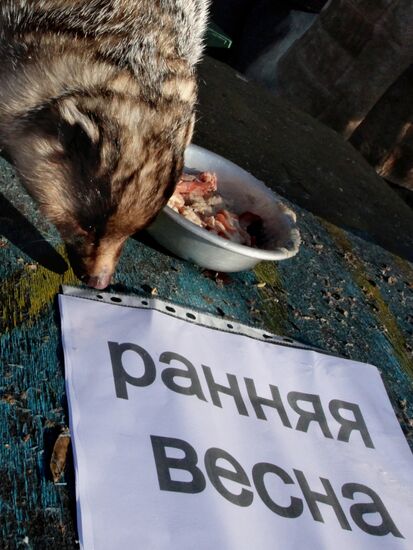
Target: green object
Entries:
(215, 37)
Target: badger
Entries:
(97, 106)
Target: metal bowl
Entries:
(280, 239)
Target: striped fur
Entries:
(97, 106)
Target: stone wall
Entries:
(349, 66)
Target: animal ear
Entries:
(74, 118)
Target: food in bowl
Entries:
(196, 198)
(279, 238)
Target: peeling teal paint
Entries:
(316, 297)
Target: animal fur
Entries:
(97, 106)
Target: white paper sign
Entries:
(186, 437)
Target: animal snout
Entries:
(99, 281)
(96, 265)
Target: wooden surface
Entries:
(342, 293)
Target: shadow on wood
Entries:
(20, 232)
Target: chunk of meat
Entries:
(197, 199)
(202, 183)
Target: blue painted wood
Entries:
(339, 293)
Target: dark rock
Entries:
(299, 157)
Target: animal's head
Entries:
(101, 168)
